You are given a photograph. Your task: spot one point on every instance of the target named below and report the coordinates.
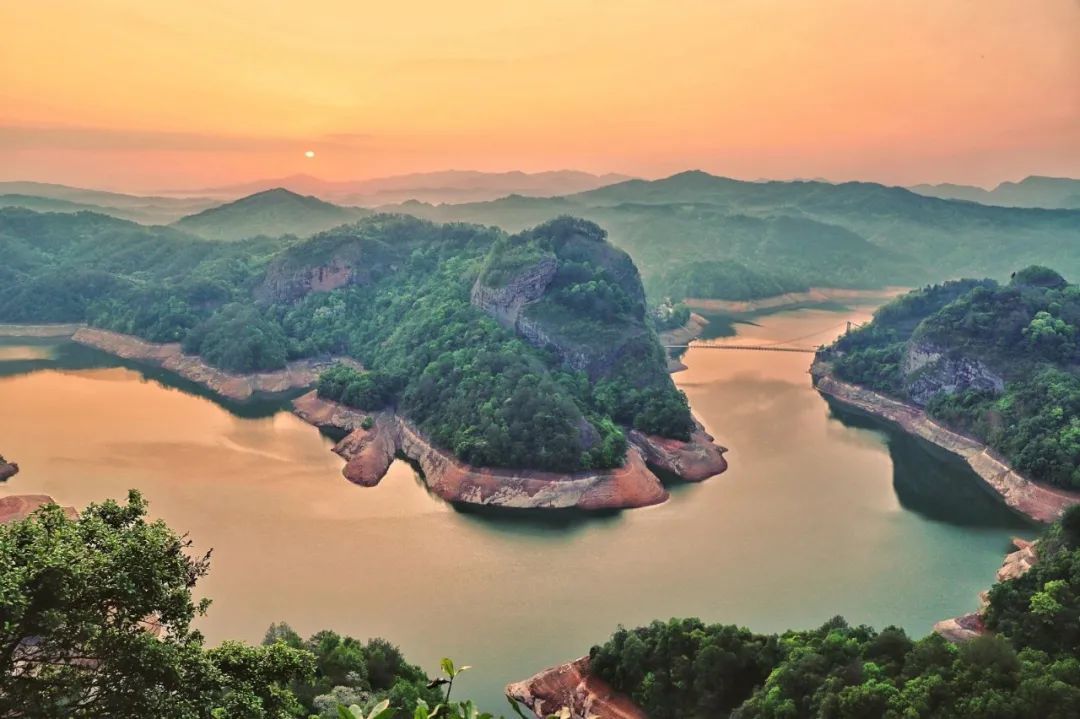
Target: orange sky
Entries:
(149, 94)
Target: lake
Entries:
(822, 512)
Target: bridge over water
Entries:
(753, 348)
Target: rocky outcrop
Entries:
(968, 626)
(21, 506)
(571, 686)
(7, 469)
(692, 461)
(505, 301)
(1038, 501)
(370, 451)
(296, 375)
(284, 284)
(961, 629)
(930, 369)
(1018, 563)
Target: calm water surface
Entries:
(821, 513)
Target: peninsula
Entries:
(985, 371)
(516, 370)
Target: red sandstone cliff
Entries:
(571, 686)
(369, 453)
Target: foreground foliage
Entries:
(684, 669)
(95, 621)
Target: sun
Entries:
(309, 154)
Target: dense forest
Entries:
(998, 362)
(97, 617)
(557, 399)
(1029, 667)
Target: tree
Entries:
(95, 621)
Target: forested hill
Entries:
(1000, 362)
(271, 213)
(543, 363)
(793, 234)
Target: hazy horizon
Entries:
(141, 98)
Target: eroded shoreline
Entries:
(1037, 501)
(369, 452)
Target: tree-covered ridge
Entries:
(392, 292)
(1029, 668)
(999, 362)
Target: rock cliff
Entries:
(505, 300)
(570, 687)
(369, 453)
(1038, 501)
(296, 375)
(930, 369)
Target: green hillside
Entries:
(1000, 362)
(398, 294)
(271, 213)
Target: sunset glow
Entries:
(144, 96)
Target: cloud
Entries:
(72, 137)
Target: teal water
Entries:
(822, 512)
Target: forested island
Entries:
(531, 351)
(991, 361)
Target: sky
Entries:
(143, 95)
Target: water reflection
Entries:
(935, 483)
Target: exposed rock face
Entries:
(283, 284)
(692, 461)
(571, 686)
(930, 369)
(1038, 501)
(296, 375)
(961, 629)
(369, 453)
(21, 506)
(1018, 563)
(592, 361)
(504, 303)
(7, 469)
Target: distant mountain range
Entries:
(434, 187)
(271, 213)
(691, 234)
(48, 197)
(853, 234)
(1054, 193)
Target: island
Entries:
(985, 371)
(515, 370)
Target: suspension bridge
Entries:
(788, 345)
